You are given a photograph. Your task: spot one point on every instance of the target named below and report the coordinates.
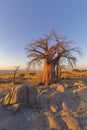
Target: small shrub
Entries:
(21, 75)
(76, 70)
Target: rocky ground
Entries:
(60, 106)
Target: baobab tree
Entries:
(49, 50)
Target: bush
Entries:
(21, 75)
(76, 70)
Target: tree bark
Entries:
(58, 71)
(48, 73)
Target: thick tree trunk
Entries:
(58, 71)
(48, 73)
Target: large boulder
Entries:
(56, 102)
(82, 93)
(32, 96)
(42, 101)
(69, 119)
(55, 122)
(71, 123)
(20, 96)
(71, 100)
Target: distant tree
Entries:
(76, 70)
(50, 50)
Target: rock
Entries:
(42, 101)
(72, 101)
(19, 94)
(17, 106)
(56, 102)
(77, 84)
(82, 93)
(20, 97)
(6, 100)
(54, 108)
(55, 122)
(32, 96)
(1, 100)
(65, 110)
(70, 121)
(60, 88)
(66, 85)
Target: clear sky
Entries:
(22, 21)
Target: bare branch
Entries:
(52, 48)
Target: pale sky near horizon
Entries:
(22, 21)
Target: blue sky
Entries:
(22, 21)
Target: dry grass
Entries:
(72, 74)
(30, 78)
(35, 78)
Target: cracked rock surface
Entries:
(44, 108)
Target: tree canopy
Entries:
(52, 49)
